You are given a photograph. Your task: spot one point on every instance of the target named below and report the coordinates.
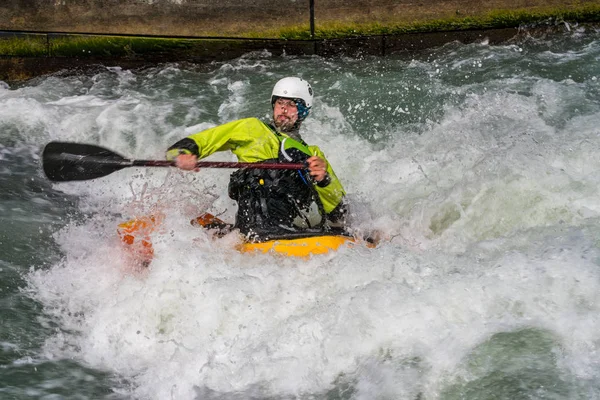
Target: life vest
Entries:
(274, 201)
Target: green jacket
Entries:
(252, 140)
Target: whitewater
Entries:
(477, 164)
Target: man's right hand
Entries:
(317, 168)
(187, 162)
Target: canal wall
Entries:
(234, 18)
(45, 36)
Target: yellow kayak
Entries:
(300, 247)
(135, 234)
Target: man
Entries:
(273, 203)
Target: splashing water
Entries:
(477, 163)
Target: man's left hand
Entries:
(317, 167)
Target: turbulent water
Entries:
(478, 164)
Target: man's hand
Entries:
(317, 168)
(187, 162)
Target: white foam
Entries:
(490, 208)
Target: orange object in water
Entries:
(207, 220)
(135, 234)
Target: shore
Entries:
(342, 31)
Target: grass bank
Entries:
(81, 46)
(496, 19)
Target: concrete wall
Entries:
(242, 26)
(401, 11)
(236, 18)
(154, 17)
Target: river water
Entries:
(478, 164)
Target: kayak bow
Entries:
(135, 235)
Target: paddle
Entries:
(64, 161)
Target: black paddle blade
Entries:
(78, 162)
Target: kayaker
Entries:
(273, 203)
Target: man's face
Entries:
(285, 114)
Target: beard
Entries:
(284, 124)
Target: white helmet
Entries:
(297, 89)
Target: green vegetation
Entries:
(496, 19)
(113, 46)
(37, 45)
(30, 45)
